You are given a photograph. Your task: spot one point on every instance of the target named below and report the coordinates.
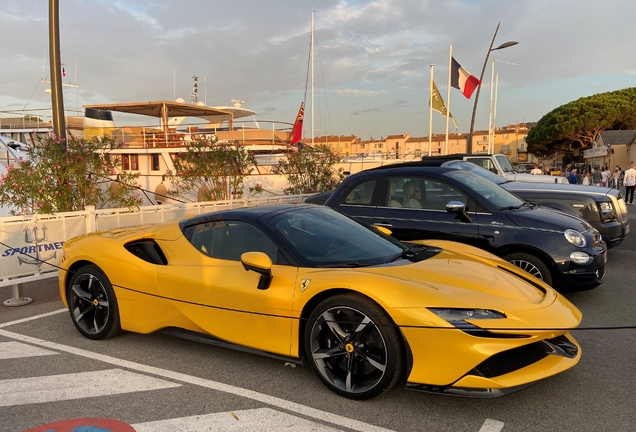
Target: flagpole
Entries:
(311, 50)
(492, 83)
(430, 113)
(494, 112)
(448, 95)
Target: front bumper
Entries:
(614, 232)
(575, 275)
(511, 370)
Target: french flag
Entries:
(462, 80)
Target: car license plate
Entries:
(605, 257)
(627, 228)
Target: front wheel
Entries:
(92, 303)
(530, 263)
(354, 347)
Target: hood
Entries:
(456, 277)
(529, 178)
(558, 188)
(543, 218)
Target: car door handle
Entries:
(386, 225)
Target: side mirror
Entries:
(459, 208)
(260, 263)
(383, 230)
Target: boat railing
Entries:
(35, 119)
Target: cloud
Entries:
(357, 92)
(357, 113)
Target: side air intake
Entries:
(148, 250)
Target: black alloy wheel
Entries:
(92, 303)
(354, 347)
(531, 264)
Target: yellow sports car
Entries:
(308, 284)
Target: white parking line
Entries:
(260, 419)
(13, 350)
(491, 426)
(50, 388)
(303, 410)
(35, 317)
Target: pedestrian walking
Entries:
(586, 179)
(629, 182)
(536, 170)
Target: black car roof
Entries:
(411, 167)
(247, 214)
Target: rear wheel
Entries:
(532, 264)
(354, 347)
(92, 303)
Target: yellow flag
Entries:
(437, 103)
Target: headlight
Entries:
(607, 211)
(575, 237)
(459, 315)
(581, 258)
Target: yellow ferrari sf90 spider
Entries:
(308, 284)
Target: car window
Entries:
(505, 164)
(488, 190)
(361, 194)
(403, 192)
(439, 193)
(229, 239)
(327, 238)
(484, 163)
(423, 193)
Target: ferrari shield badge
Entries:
(304, 284)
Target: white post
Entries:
(17, 299)
(91, 220)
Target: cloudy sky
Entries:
(372, 64)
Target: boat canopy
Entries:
(167, 109)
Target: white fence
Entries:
(31, 246)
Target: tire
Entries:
(353, 360)
(92, 303)
(532, 264)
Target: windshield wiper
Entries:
(351, 264)
(406, 253)
(511, 207)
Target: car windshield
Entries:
(325, 238)
(505, 164)
(492, 192)
(475, 169)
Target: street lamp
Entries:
(481, 77)
(493, 107)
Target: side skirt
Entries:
(211, 340)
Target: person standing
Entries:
(586, 178)
(536, 170)
(629, 180)
(615, 179)
(596, 177)
(604, 177)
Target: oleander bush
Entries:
(211, 171)
(311, 170)
(59, 175)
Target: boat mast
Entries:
(312, 76)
